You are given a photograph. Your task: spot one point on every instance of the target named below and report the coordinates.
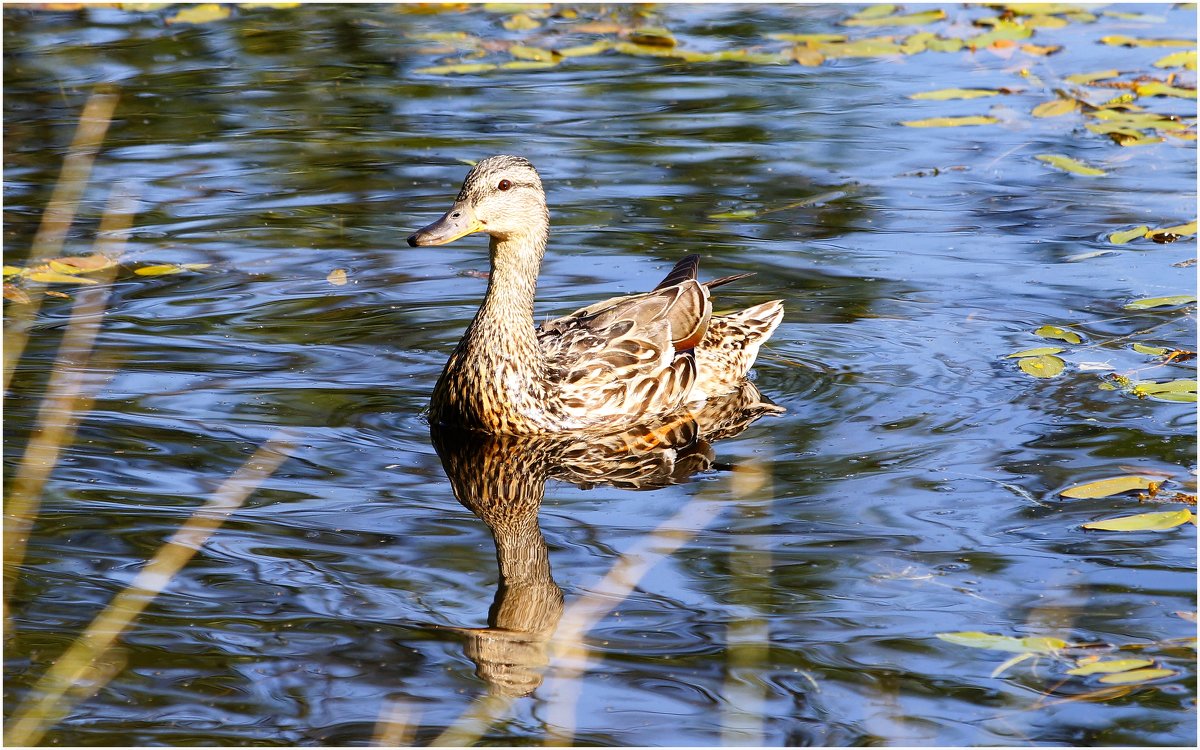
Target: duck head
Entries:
(501, 196)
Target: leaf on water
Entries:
(1182, 230)
(337, 277)
(586, 50)
(441, 36)
(159, 270)
(1054, 332)
(1109, 487)
(1125, 235)
(520, 22)
(529, 65)
(13, 271)
(1002, 31)
(1180, 391)
(1036, 352)
(458, 69)
(1109, 667)
(744, 213)
(1067, 164)
(882, 46)
(1038, 50)
(14, 293)
(1055, 108)
(1138, 120)
(522, 52)
(652, 37)
(1128, 41)
(1044, 366)
(953, 44)
(83, 263)
(1137, 675)
(1154, 351)
(52, 277)
(1086, 78)
(1158, 521)
(1152, 302)
(876, 11)
(910, 19)
(808, 56)
(1186, 59)
(950, 122)
(202, 13)
(976, 639)
(1157, 88)
(808, 38)
(944, 94)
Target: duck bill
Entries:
(457, 222)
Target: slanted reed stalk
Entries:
(67, 395)
(59, 214)
(88, 663)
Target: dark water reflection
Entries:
(910, 489)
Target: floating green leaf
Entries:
(1125, 235)
(976, 639)
(743, 213)
(1109, 487)
(1086, 78)
(910, 19)
(1154, 351)
(1158, 521)
(1137, 675)
(869, 47)
(1152, 302)
(950, 122)
(1186, 59)
(1002, 31)
(1044, 366)
(1036, 352)
(1055, 332)
(1055, 108)
(1067, 164)
(457, 69)
(943, 94)
(1181, 391)
(1109, 667)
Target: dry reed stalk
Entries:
(63, 684)
(66, 398)
(59, 213)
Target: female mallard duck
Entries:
(606, 367)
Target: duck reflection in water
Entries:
(502, 479)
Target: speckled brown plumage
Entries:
(605, 367)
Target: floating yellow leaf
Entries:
(1055, 108)
(1183, 230)
(442, 36)
(870, 47)
(745, 213)
(528, 65)
(910, 19)
(586, 50)
(522, 52)
(1186, 59)
(1109, 667)
(1137, 675)
(520, 22)
(1154, 351)
(1002, 31)
(808, 56)
(976, 639)
(943, 94)
(1128, 41)
(1179, 391)
(1151, 302)
(876, 11)
(337, 277)
(1054, 332)
(159, 270)
(52, 277)
(1158, 521)
(458, 69)
(1036, 352)
(950, 122)
(1044, 366)
(1039, 50)
(652, 37)
(1109, 487)
(82, 263)
(1157, 88)
(1067, 164)
(1125, 235)
(1085, 78)
(202, 13)
(953, 44)
(12, 271)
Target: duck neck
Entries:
(507, 309)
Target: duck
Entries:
(604, 368)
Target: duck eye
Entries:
(504, 185)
